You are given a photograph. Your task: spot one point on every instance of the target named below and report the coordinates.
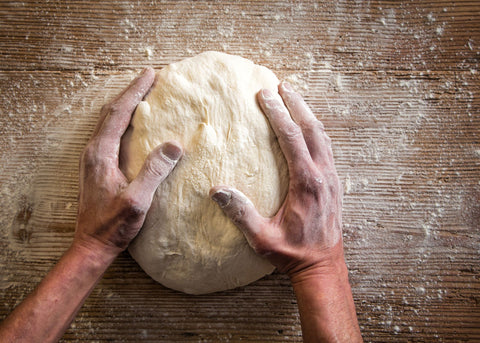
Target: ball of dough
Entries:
(208, 104)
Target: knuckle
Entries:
(328, 140)
(115, 106)
(240, 210)
(331, 183)
(318, 125)
(105, 108)
(112, 107)
(316, 129)
(236, 213)
(90, 154)
(158, 165)
(95, 153)
(292, 132)
(132, 208)
(334, 185)
(155, 166)
(309, 182)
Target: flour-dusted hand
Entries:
(308, 225)
(304, 238)
(110, 213)
(112, 210)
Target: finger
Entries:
(317, 141)
(289, 134)
(104, 111)
(299, 110)
(158, 165)
(240, 210)
(117, 114)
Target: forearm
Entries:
(48, 311)
(325, 303)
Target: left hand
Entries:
(112, 210)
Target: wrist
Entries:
(94, 251)
(330, 264)
(325, 302)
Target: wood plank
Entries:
(407, 211)
(396, 85)
(347, 35)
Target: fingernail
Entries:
(222, 197)
(287, 87)
(266, 94)
(172, 151)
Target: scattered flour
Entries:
(371, 135)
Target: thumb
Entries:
(158, 165)
(240, 210)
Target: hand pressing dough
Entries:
(208, 104)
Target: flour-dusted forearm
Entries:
(325, 302)
(111, 212)
(304, 238)
(48, 311)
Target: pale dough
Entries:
(208, 104)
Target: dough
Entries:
(208, 104)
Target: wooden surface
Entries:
(396, 85)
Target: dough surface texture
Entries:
(208, 104)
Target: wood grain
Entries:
(396, 85)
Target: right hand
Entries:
(306, 232)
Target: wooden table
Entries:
(396, 84)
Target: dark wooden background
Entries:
(396, 84)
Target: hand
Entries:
(306, 231)
(304, 238)
(112, 210)
(110, 214)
